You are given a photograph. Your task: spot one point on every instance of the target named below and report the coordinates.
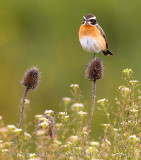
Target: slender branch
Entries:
(22, 111)
(92, 110)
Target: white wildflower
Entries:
(66, 100)
(134, 110)
(37, 117)
(134, 138)
(32, 155)
(74, 86)
(11, 127)
(133, 82)
(127, 71)
(93, 143)
(63, 113)
(49, 112)
(18, 130)
(27, 136)
(77, 106)
(73, 138)
(102, 101)
(44, 124)
(81, 113)
(108, 142)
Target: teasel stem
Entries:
(22, 111)
(30, 81)
(91, 116)
(92, 109)
(94, 72)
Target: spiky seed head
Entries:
(31, 78)
(94, 70)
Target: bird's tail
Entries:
(108, 52)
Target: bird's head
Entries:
(89, 19)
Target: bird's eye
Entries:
(93, 21)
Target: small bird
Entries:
(92, 36)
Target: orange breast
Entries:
(92, 31)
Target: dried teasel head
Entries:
(94, 70)
(31, 78)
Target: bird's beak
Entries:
(86, 22)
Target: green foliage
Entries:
(62, 135)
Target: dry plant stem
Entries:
(92, 110)
(22, 112)
(91, 116)
(43, 150)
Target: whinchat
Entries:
(92, 36)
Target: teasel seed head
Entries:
(94, 70)
(31, 78)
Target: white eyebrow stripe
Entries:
(92, 18)
(84, 17)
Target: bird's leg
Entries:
(93, 55)
(100, 56)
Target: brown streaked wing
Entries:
(102, 33)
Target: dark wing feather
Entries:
(103, 34)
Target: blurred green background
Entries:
(44, 33)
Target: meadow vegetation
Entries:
(62, 135)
